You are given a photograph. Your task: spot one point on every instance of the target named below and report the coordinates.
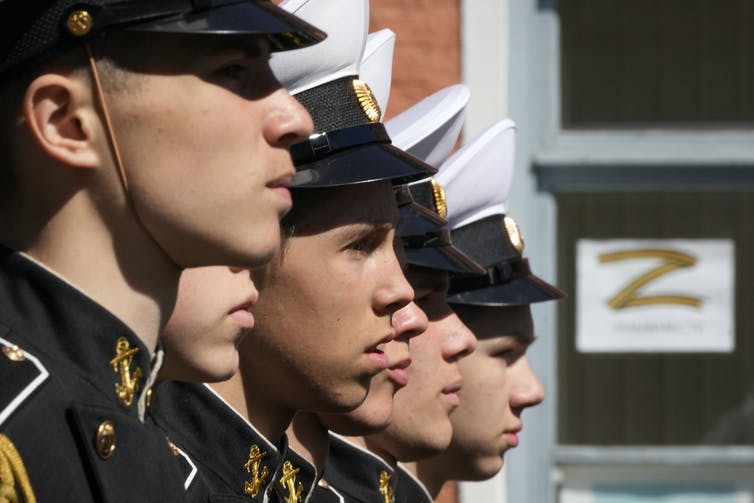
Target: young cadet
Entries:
(352, 471)
(129, 129)
(498, 381)
(326, 303)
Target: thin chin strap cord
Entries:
(106, 114)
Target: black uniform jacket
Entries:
(72, 378)
(353, 474)
(296, 480)
(230, 461)
(409, 489)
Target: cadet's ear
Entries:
(59, 113)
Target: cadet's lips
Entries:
(241, 314)
(378, 358)
(397, 372)
(280, 185)
(511, 437)
(450, 392)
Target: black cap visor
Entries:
(283, 29)
(522, 288)
(445, 257)
(415, 220)
(364, 163)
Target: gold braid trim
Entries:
(12, 470)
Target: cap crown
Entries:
(430, 128)
(346, 23)
(477, 178)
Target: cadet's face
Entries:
(324, 315)
(210, 317)
(421, 424)
(203, 129)
(376, 410)
(498, 385)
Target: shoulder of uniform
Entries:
(21, 373)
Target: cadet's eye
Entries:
(366, 244)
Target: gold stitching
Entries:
(12, 470)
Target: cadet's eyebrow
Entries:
(357, 230)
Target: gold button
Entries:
(14, 353)
(173, 447)
(105, 441)
(150, 397)
(79, 22)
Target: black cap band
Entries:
(498, 273)
(320, 145)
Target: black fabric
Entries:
(408, 489)
(324, 144)
(508, 280)
(415, 220)
(216, 439)
(365, 163)
(333, 105)
(354, 473)
(325, 494)
(301, 483)
(518, 290)
(36, 29)
(426, 240)
(335, 108)
(423, 194)
(53, 428)
(485, 241)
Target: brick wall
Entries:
(427, 47)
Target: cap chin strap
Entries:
(106, 114)
(114, 144)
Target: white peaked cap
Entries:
(429, 129)
(346, 23)
(477, 178)
(377, 65)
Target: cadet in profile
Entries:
(138, 138)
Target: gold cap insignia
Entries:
(129, 383)
(441, 204)
(514, 233)
(288, 481)
(386, 490)
(12, 473)
(366, 100)
(253, 465)
(79, 22)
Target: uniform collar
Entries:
(226, 447)
(410, 488)
(57, 320)
(357, 473)
(296, 479)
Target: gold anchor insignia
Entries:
(386, 490)
(252, 466)
(12, 471)
(366, 100)
(438, 193)
(129, 383)
(288, 481)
